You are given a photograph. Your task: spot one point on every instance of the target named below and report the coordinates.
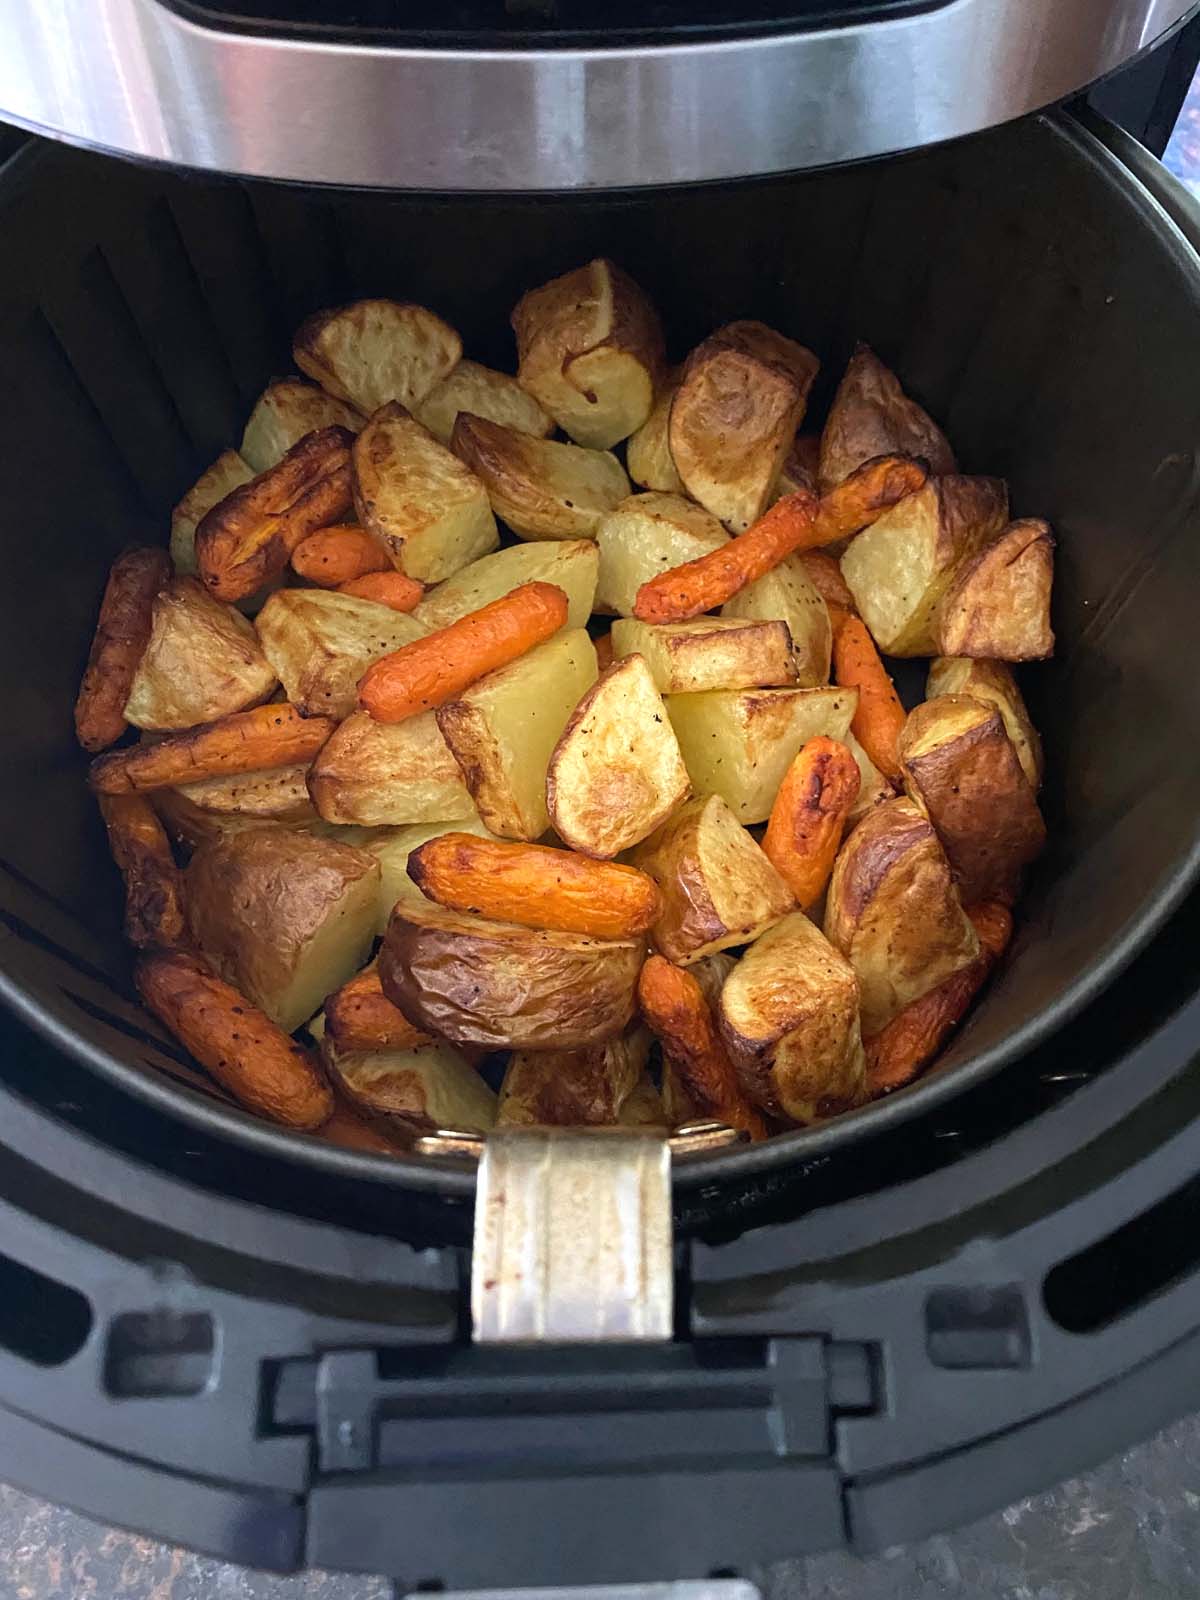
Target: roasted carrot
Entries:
(122, 633)
(604, 651)
(337, 555)
(359, 1016)
(535, 886)
(153, 883)
(864, 496)
(241, 1047)
(896, 1054)
(248, 741)
(351, 1131)
(675, 1010)
(879, 717)
(430, 671)
(808, 818)
(392, 589)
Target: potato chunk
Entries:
(503, 730)
(284, 412)
(872, 785)
(392, 849)
(739, 743)
(648, 453)
(203, 661)
(570, 564)
(590, 349)
(432, 1086)
(573, 1088)
(278, 795)
(998, 604)
(284, 916)
(644, 535)
(227, 473)
(787, 592)
(992, 681)
(388, 774)
(718, 887)
(483, 392)
(734, 418)
(375, 351)
(616, 772)
(788, 1014)
(320, 643)
(872, 416)
(542, 489)
(709, 653)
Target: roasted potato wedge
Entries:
(570, 564)
(787, 592)
(788, 1014)
(227, 473)
(872, 416)
(542, 489)
(284, 412)
(709, 653)
(648, 453)
(872, 785)
(800, 467)
(644, 535)
(899, 568)
(483, 392)
(320, 643)
(388, 774)
(894, 913)
(496, 984)
(992, 681)
(590, 350)
(734, 417)
(284, 916)
(431, 1086)
(277, 795)
(998, 604)
(203, 661)
(392, 850)
(739, 743)
(375, 351)
(502, 731)
(718, 887)
(424, 507)
(961, 767)
(573, 1088)
(616, 772)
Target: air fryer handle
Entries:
(1163, 186)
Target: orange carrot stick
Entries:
(428, 672)
(808, 818)
(392, 589)
(122, 633)
(880, 716)
(336, 555)
(247, 741)
(359, 1016)
(153, 883)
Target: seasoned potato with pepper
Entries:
(484, 393)
(570, 564)
(387, 774)
(278, 795)
(375, 351)
(287, 409)
(992, 681)
(709, 653)
(789, 593)
(430, 1086)
(998, 604)
(648, 452)
(872, 416)
(320, 643)
(203, 661)
(645, 535)
(541, 488)
(573, 1088)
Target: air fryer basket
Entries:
(1032, 296)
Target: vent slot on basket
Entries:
(41, 1320)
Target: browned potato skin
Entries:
(496, 984)
(998, 604)
(894, 913)
(993, 681)
(961, 766)
(572, 1088)
(872, 416)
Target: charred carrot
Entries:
(392, 589)
(359, 1016)
(807, 821)
(247, 741)
(863, 497)
(334, 556)
(153, 883)
(122, 633)
(879, 717)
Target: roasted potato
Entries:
(872, 416)
(484, 393)
(387, 774)
(542, 489)
(424, 507)
(570, 564)
(643, 1106)
(718, 887)
(899, 568)
(503, 730)
(738, 743)
(502, 986)
(872, 785)
(800, 467)
(788, 1015)
(644, 535)
(992, 681)
(203, 661)
(648, 453)
(709, 653)
(573, 1088)
(375, 351)
(590, 350)
(961, 767)
(392, 850)
(431, 1086)
(277, 795)
(284, 412)
(616, 772)
(734, 417)
(998, 604)
(320, 643)
(894, 913)
(227, 473)
(284, 916)
(787, 592)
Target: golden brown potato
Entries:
(284, 412)
(894, 913)
(998, 604)
(320, 643)
(648, 453)
(644, 535)
(496, 984)
(283, 916)
(431, 1086)
(570, 564)
(788, 1014)
(899, 568)
(734, 418)
(718, 887)
(375, 351)
(429, 512)
(992, 681)
(643, 1106)
(227, 473)
(392, 848)
(203, 661)
(502, 731)
(788, 592)
(962, 768)
(277, 795)
(484, 393)
(710, 972)
(388, 774)
(616, 772)
(709, 653)
(739, 743)
(573, 1088)
(800, 467)
(542, 489)
(590, 349)
(872, 416)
